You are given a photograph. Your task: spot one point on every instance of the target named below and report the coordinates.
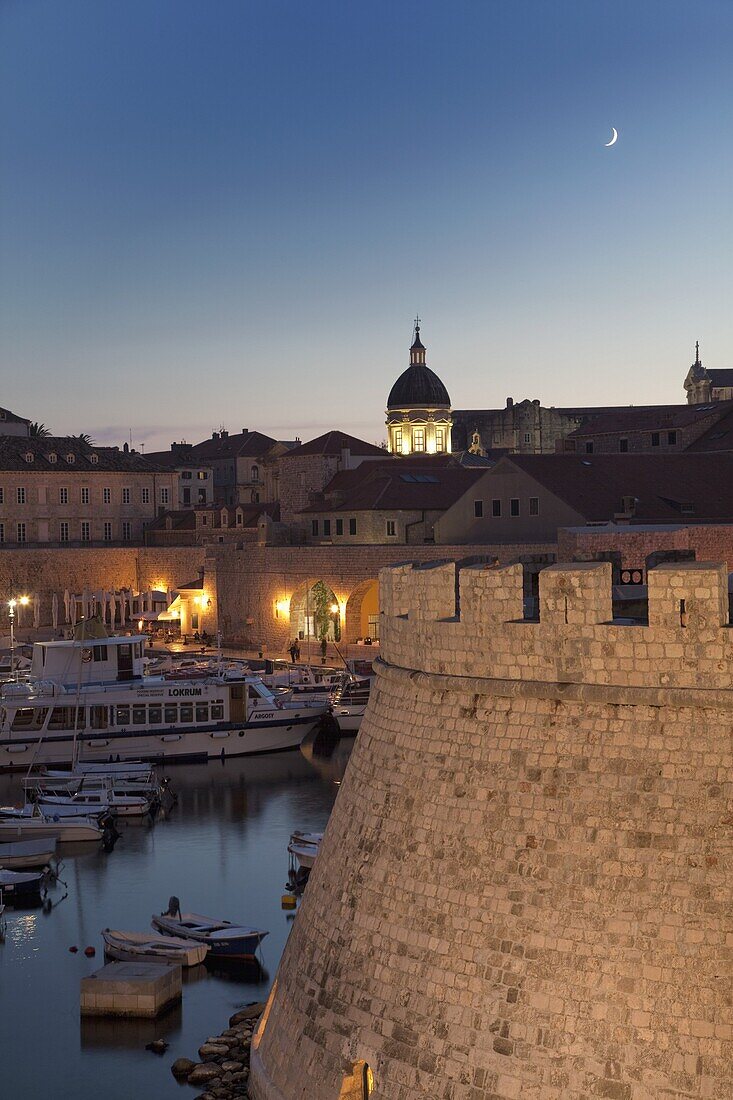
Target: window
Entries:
(255, 473)
(655, 439)
(52, 457)
(527, 437)
(64, 532)
(439, 439)
(86, 531)
(164, 495)
(352, 526)
(106, 496)
(202, 712)
(126, 496)
(70, 459)
(108, 532)
(187, 712)
(20, 495)
(85, 496)
(2, 496)
(672, 439)
(202, 475)
(122, 717)
(398, 440)
(418, 439)
(339, 527)
(20, 532)
(186, 496)
(94, 459)
(217, 712)
(534, 506)
(589, 447)
(2, 532)
(29, 456)
(146, 496)
(623, 446)
(514, 506)
(139, 716)
(63, 496)
(327, 527)
(202, 496)
(186, 475)
(314, 526)
(478, 509)
(170, 714)
(496, 508)
(126, 530)
(391, 527)
(155, 715)
(100, 653)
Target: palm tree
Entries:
(38, 430)
(84, 438)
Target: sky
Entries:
(229, 214)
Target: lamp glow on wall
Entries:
(282, 609)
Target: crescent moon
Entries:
(613, 140)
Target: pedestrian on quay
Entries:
(294, 650)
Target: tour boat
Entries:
(27, 854)
(103, 800)
(21, 886)
(304, 848)
(224, 939)
(87, 699)
(350, 702)
(133, 946)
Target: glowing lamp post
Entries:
(12, 604)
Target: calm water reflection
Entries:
(222, 851)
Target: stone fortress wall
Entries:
(525, 888)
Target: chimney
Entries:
(224, 434)
(245, 431)
(509, 402)
(125, 448)
(214, 435)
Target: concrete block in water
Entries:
(130, 989)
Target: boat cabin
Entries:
(89, 661)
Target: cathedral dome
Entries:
(418, 385)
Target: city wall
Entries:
(524, 889)
(707, 542)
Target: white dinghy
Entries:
(132, 946)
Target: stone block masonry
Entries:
(525, 886)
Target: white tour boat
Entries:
(87, 699)
(304, 848)
(350, 701)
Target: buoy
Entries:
(90, 952)
(288, 901)
(73, 950)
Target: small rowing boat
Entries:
(27, 854)
(132, 946)
(224, 939)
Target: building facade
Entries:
(703, 386)
(62, 491)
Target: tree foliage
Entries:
(37, 430)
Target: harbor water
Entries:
(222, 851)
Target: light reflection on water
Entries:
(222, 851)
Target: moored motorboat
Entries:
(26, 827)
(95, 802)
(304, 847)
(132, 946)
(21, 885)
(27, 854)
(223, 938)
(350, 702)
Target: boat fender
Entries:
(288, 901)
(90, 952)
(73, 950)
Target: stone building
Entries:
(308, 468)
(387, 501)
(524, 889)
(64, 491)
(703, 385)
(418, 408)
(528, 497)
(246, 466)
(12, 424)
(654, 429)
(195, 477)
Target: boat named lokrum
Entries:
(87, 698)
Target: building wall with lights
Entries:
(525, 886)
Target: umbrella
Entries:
(122, 608)
(85, 601)
(36, 611)
(112, 609)
(170, 597)
(72, 610)
(149, 600)
(55, 610)
(67, 606)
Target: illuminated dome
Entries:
(418, 408)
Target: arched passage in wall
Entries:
(314, 612)
(359, 1084)
(362, 612)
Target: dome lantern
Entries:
(418, 407)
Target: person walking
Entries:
(294, 650)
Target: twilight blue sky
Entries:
(228, 213)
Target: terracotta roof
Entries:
(648, 417)
(13, 450)
(721, 377)
(665, 487)
(719, 436)
(333, 443)
(242, 445)
(397, 485)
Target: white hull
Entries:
(245, 740)
(32, 828)
(348, 718)
(28, 855)
(134, 946)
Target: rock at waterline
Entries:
(212, 1049)
(203, 1072)
(182, 1067)
(231, 1067)
(250, 1012)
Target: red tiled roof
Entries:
(333, 443)
(430, 484)
(665, 487)
(242, 445)
(649, 418)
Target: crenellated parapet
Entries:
(469, 620)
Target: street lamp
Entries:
(12, 604)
